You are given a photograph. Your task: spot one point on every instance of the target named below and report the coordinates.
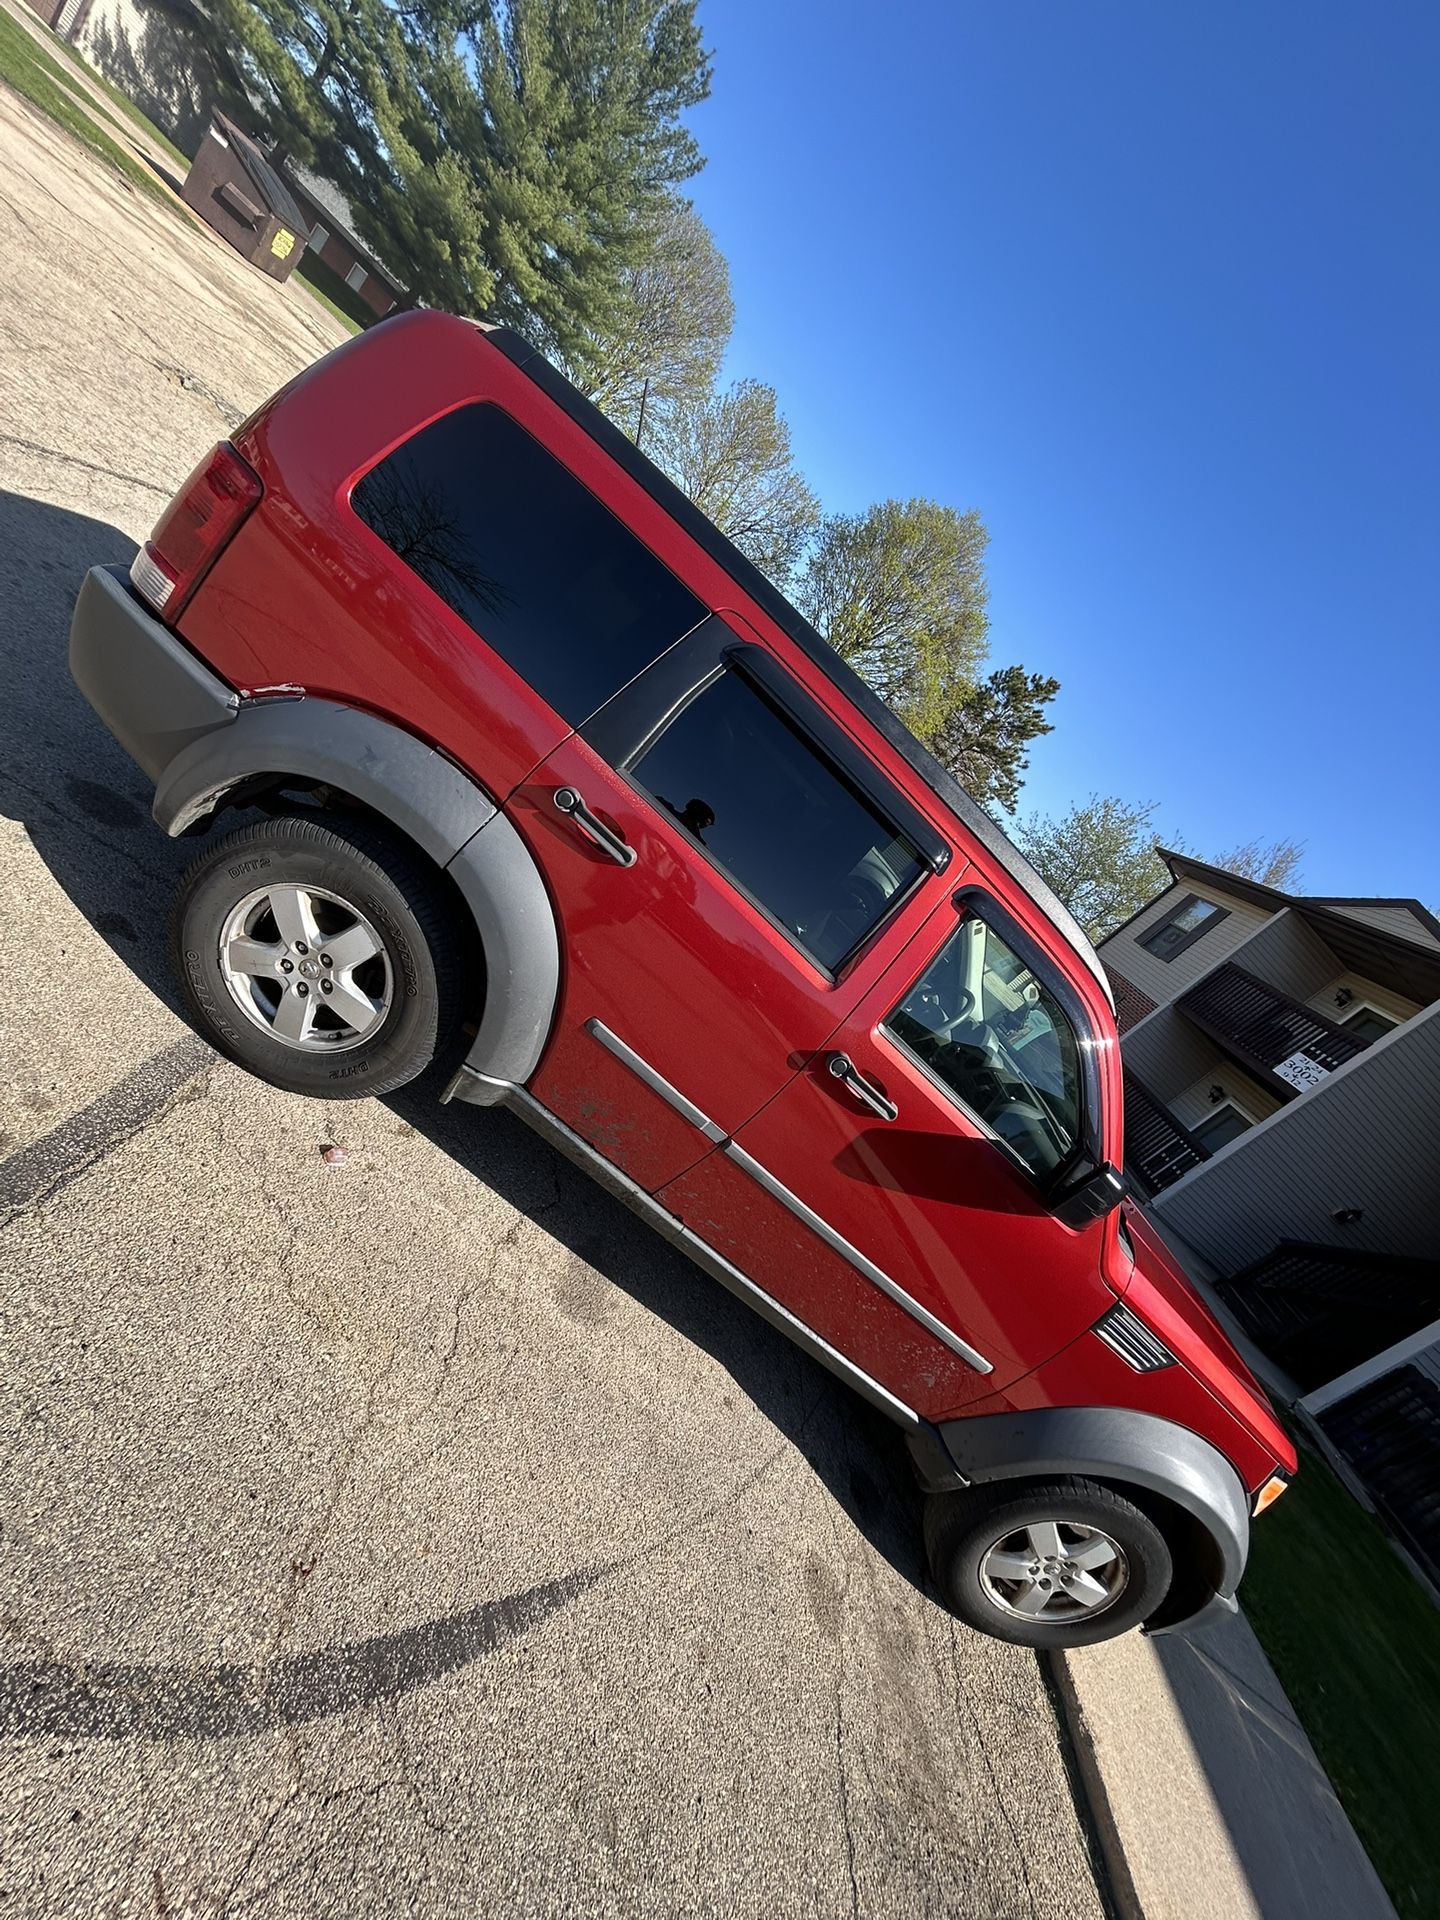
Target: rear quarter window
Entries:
(528, 557)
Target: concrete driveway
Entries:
(416, 1535)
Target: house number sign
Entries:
(1302, 1072)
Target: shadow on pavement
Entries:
(85, 807)
(1294, 1847)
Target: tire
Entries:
(980, 1550)
(350, 885)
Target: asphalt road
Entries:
(415, 1535)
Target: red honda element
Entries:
(546, 771)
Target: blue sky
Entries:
(1157, 289)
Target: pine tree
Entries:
(509, 160)
(984, 740)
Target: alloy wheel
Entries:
(307, 967)
(1054, 1570)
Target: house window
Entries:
(1369, 1024)
(1192, 919)
(355, 277)
(1219, 1128)
(318, 238)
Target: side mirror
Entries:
(1090, 1197)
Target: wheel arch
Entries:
(349, 756)
(1180, 1479)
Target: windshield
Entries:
(984, 1026)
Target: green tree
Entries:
(673, 324)
(984, 740)
(1100, 858)
(508, 158)
(730, 453)
(899, 591)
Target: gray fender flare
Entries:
(1103, 1443)
(430, 800)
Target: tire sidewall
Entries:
(957, 1552)
(409, 1028)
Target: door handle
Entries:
(843, 1068)
(572, 805)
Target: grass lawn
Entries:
(1356, 1643)
(330, 290)
(32, 73)
(46, 84)
(126, 105)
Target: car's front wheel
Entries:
(1066, 1563)
(319, 953)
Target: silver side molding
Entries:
(763, 1177)
(584, 1156)
(656, 1082)
(687, 1109)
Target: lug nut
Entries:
(327, 986)
(326, 961)
(287, 966)
(300, 947)
(301, 988)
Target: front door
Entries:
(891, 1194)
(722, 858)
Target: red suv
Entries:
(549, 773)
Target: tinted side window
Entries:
(526, 556)
(779, 818)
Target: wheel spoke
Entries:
(295, 916)
(1008, 1566)
(1085, 1588)
(350, 948)
(1044, 1538)
(355, 1008)
(1098, 1552)
(244, 955)
(1034, 1601)
(295, 1015)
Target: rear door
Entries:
(726, 863)
(891, 1195)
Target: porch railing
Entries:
(1158, 1150)
(1389, 1431)
(1319, 1311)
(1264, 1029)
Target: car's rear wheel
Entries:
(1066, 1563)
(319, 953)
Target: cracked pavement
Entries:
(418, 1535)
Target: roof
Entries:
(339, 216)
(1186, 866)
(1411, 965)
(747, 576)
(263, 177)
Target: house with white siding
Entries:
(1282, 1099)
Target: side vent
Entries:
(1136, 1345)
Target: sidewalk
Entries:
(1209, 1800)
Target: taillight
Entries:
(207, 511)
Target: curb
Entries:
(1113, 1878)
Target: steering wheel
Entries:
(964, 1009)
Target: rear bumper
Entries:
(145, 684)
